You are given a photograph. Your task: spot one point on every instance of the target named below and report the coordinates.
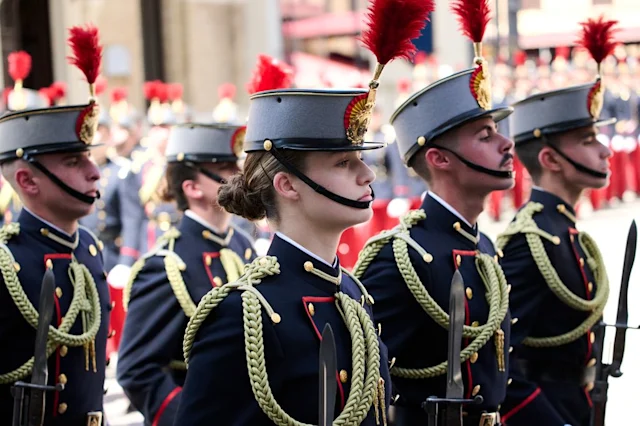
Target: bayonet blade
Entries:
(623, 309)
(327, 375)
(455, 387)
(40, 373)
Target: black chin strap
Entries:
(320, 189)
(579, 167)
(207, 173)
(502, 174)
(66, 188)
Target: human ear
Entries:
(285, 186)
(549, 159)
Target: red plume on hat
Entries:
(174, 91)
(473, 16)
(119, 106)
(118, 94)
(227, 91)
(597, 36)
(226, 110)
(87, 56)
(19, 69)
(47, 94)
(58, 90)
(19, 66)
(391, 27)
(87, 53)
(270, 74)
(150, 90)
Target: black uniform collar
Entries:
(554, 205)
(292, 258)
(44, 231)
(440, 216)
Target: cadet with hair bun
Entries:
(252, 346)
(204, 251)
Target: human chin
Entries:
(504, 183)
(344, 217)
(597, 183)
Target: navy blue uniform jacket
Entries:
(412, 336)
(217, 389)
(541, 314)
(155, 323)
(84, 389)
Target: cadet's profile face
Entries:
(479, 142)
(582, 147)
(344, 174)
(210, 187)
(78, 171)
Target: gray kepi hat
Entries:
(446, 104)
(329, 120)
(546, 114)
(29, 133)
(193, 144)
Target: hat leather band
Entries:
(66, 188)
(503, 174)
(320, 189)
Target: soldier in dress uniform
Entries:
(204, 251)
(559, 282)
(304, 173)
(309, 198)
(45, 155)
(447, 134)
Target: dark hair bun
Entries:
(235, 197)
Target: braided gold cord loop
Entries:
(364, 345)
(525, 224)
(489, 270)
(178, 286)
(85, 298)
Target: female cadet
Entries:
(204, 251)
(252, 346)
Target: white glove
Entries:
(119, 275)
